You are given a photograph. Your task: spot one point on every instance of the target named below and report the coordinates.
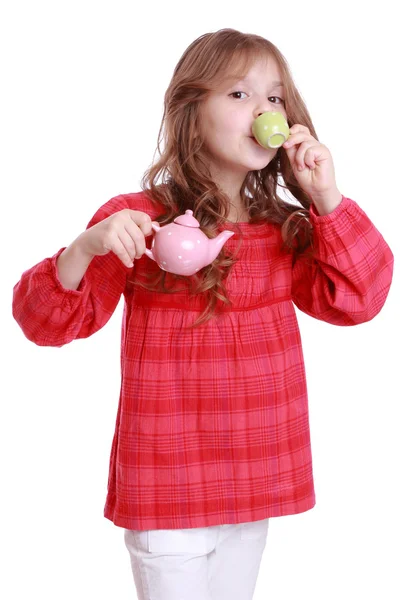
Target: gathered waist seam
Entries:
(196, 307)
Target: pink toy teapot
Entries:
(182, 248)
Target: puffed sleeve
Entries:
(347, 280)
(51, 315)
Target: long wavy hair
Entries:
(186, 182)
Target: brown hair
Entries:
(187, 183)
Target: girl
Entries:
(212, 433)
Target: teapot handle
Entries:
(149, 254)
(156, 227)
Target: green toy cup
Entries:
(270, 129)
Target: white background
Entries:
(83, 85)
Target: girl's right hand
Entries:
(122, 233)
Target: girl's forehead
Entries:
(243, 72)
(244, 65)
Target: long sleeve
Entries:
(51, 315)
(348, 279)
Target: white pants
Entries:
(203, 563)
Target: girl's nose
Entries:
(268, 109)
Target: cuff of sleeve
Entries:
(83, 285)
(346, 205)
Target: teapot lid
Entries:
(187, 219)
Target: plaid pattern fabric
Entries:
(212, 424)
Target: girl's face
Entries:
(227, 114)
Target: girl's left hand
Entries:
(317, 175)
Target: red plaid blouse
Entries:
(212, 425)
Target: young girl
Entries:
(212, 433)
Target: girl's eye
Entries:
(281, 101)
(239, 92)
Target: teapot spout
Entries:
(215, 244)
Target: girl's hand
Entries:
(122, 233)
(311, 162)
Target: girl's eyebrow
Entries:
(274, 83)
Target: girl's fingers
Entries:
(298, 154)
(297, 138)
(136, 238)
(131, 243)
(309, 157)
(122, 252)
(301, 154)
(127, 248)
(294, 138)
